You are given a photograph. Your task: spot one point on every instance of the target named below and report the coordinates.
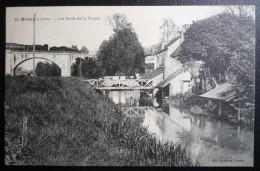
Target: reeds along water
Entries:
(144, 149)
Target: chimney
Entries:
(183, 30)
(163, 44)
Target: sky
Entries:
(51, 30)
(92, 31)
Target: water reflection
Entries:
(211, 142)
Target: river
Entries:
(211, 142)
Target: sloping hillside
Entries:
(68, 123)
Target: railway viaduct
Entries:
(63, 59)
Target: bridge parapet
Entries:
(137, 111)
(125, 84)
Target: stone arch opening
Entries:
(14, 69)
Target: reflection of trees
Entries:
(145, 99)
(158, 97)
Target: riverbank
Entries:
(191, 103)
(70, 124)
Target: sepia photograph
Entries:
(130, 86)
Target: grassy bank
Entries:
(70, 124)
(193, 104)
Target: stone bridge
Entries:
(63, 59)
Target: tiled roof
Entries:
(176, 73)
(172, 41)
(149, 58)
(168, 44)
(154, 73)
(222, 92)
(172, 76)
(176, 52)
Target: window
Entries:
(186, 81)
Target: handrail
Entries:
(120, 84)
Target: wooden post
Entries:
(34, 18)
(205, 85)
(239, 112)
(162, 93)
(80, 67)
(219, 124)
(181, 86)
(238, 128)
(220, 108)
(24, 132)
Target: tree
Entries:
(153, 49)
(241, 74)
(74, 48)
(84, 49)
(241, 10)
(119, 22)
(123, 52)
(226, 43)
(47, 69)
(214, 41)
(89, 68)
(168, 31)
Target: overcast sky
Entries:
(145, 20)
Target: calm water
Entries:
(211, 142)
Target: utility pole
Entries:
(80, 68)
(34, 45)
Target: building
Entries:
(150, 64)
(169, 75)
(222, 95)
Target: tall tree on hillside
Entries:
(123, 52)
(119, 22)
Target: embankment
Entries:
(70, 124)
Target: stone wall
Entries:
(177, 85)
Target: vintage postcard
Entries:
(130, 85)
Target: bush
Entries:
(187, 101)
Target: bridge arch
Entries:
(27, 59)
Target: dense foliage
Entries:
(123, 52)
(47, 69)
(88, 68)
(226, 43)
(215, 41)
